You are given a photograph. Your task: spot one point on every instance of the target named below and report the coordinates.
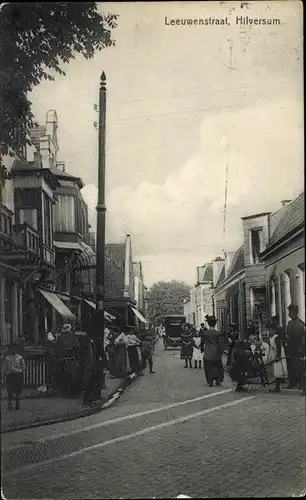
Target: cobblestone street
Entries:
(169, 434)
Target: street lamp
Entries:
(100, 246)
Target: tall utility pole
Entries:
(100, 246)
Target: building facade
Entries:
(122, 297)
(242, 291)
(284, 262)
(201, 299)
(42, 219)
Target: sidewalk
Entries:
(44, 410)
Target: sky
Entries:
(185, 103)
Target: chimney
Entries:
(285, 202)
(218, 264)
(61, 165)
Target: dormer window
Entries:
(256, 245)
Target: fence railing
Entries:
(36, 370)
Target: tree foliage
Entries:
(166, 297)
(35, 40)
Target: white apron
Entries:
(278, 369)
(197, 355)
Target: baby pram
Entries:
(248, 368)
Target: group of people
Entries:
(207, 345)
(73, 365)
(129, 351)
(282, 352)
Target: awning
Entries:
(139, 315)
(67, 245)
(58, 305)
(107, 316)
(85, 254)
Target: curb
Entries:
(103, 404)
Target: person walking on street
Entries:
(197, 355)
(276, 360)
(295, 349)
(186, 348)
(67, 349)
(13, 369)
(162, 333)
(213, 351)
(147, 350)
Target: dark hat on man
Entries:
(293, 307)
(233, 325)
(211, 318)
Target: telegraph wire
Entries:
(177, 96)
(172, 113)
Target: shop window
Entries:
(256, 245)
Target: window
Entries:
(47, 214)
(28, 216)
(64, 214)
(256, 245)
(285, 297)
(300, 290)
(272, 298)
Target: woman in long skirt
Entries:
(187, 345)
(213, 351)
(132, 343)
(197, 355)
(276, 360)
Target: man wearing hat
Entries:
(295, 348)
(213, 351)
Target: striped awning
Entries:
(86, 257)
(57, 303)
(139, 315)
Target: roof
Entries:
(276, 217)
(290, 217)
(65, 175)
(114, 270)
(236, 266)
(237, 262)
(24, 168)
(206, 273)
(23, 165)
(221, 277)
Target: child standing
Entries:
(14, 368)
(197, 355)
